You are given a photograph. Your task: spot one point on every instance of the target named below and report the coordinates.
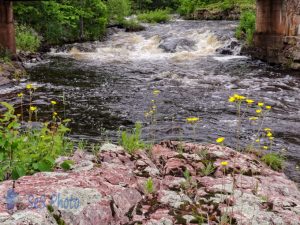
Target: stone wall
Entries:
(277, 37)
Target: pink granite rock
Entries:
(110, 189)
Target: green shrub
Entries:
(27, 150)
(132, 141)
(118, 10)
(27, 39)
(157, 16)
(246, 27)
(132, 25)
(64, 21)
(275, 161)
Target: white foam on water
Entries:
(124, 46)
(227, 58)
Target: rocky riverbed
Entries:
(110, 189)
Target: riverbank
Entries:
(10, 71)
(169, 184)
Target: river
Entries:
(108, 86)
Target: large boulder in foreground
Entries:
(110, 189)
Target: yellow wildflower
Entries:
(54, 113)
(253, 118)
(192, 120)
(220, 140)
(268, 107)
(265, 147)
(258, 111)
(231, 99)
(249, 101)
(267, 129)
(29, 86)
(271, 138)
(269, 134)
(20, 95)
(260, 104)
(33, 108)
(224, 163)
(156, 92)
(239, 97)
(53, 102)
(257, 140)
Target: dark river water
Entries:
(108, 86)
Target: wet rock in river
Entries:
(177, 44)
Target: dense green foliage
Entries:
(246, 27)
(156, 16)
(187, 7)
(28, 150)
(64, 21)
(27, 39)
(118, 10)
(144, 5)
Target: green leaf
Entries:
(8, 106)
(66, 165)
(45, 166)
(1, 156)
(18, 172)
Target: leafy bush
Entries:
(274, 160)
(118, 10)
(140, 5)
(64, 21)
(132, 141)
(157, 16)
(186, 7)
(246, 27)
(132, 25)
(27, 150)
(27, 39)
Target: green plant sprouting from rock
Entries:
(131, 141)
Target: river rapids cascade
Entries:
(195, 64)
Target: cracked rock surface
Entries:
(110, 189)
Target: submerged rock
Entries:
(110, 188)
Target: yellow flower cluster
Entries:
(236, 97)
(240, 98)
(53, 102)
(20, 95)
